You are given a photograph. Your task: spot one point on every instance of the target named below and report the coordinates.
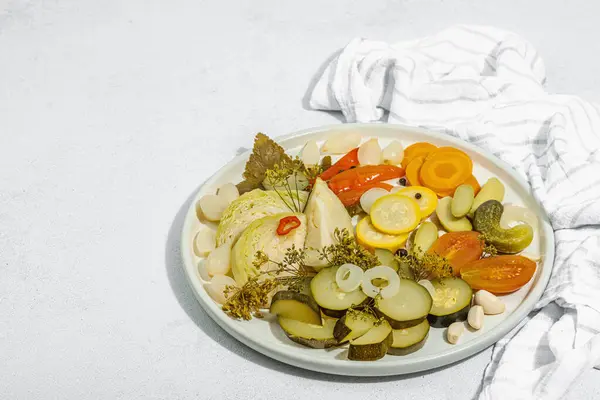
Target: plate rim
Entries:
(349, 368)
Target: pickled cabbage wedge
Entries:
(261, 235)
(324, 214)
(250, 207)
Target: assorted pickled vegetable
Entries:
(430, 248)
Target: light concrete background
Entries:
(113, 112)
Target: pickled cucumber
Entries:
(426, 235)
(510, 241)
(463, 200)
(448, 221)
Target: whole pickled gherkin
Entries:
(509, 241)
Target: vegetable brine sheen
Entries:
(425, 240)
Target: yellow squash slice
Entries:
(395, 214)
(370, 237)
(425, 197)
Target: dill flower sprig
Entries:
(290, 274)
(489, 250)
(283, 178)
(347, 250)
(246, 302)
(312, 172)
(425, 265)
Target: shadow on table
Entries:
(313, 82)
(190, 305)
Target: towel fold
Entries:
(485, 86)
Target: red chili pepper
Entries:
(287, 224)
(360, 176)
(345, 163)
(351, 197)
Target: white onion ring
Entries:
(381, 272)
(349, 277)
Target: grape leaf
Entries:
(326, 163)
(265, 154)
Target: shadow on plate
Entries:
(187, 301)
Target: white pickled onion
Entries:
(204, 242)
(216, 287)
(393, 153)
(396, 189)
(310, 153)
(228, 193)
(218, 260)
(341, 142)
(370, 196)
(349, 277)
(369, 153)
(202, 270)
(212, 206)
(513, 215)
(381, 272)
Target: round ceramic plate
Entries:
(265, 336)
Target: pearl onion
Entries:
(228, 193)
(216, 287)
(369, 153)
(218, 261)
(393, 153)
(212, 207)
(204, 242)
(310, 153)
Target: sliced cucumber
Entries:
(448, 221)
(296, 306)
(315, 336)
(386, 257)
(451, 302)
(409, 340)
(353, 325)
(333, 313)
(426, 235)
(408, 307)
(462, 200)
(372, 345)
(328, 295)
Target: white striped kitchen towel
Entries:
(485, 86)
